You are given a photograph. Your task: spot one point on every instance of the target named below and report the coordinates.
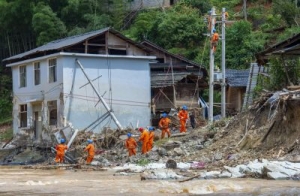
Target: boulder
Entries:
(171, 164)
(178, 151)
(277, 176)
(162, 151)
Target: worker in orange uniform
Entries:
(131, 145)
(151, 139)
(183, 116)
(60, 151)
(214, 40)
(144, 138)
(226, 15)
(91, 151)
(164, 125)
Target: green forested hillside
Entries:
(180, 29)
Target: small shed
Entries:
(237, 81)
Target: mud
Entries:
(17, 181)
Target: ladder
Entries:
(251, 84)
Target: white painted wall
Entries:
(31, 93)
(130, 91)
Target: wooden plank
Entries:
(293, 87)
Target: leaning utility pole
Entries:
(211, 67)
(223, 97)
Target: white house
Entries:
(144, 4)
(50, 90)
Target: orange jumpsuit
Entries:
(150, 141)
(214, 41)
(144, 138)
(91, 153)
(164, 125)
(183, 116)
(131, 145)
(60, 153)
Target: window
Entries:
(52, 70)
(22, 76)
(23, 115)
(37, 73)
(52, 107)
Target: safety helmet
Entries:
(164, 115)
(62, 141)
(151, 128)
(90, 141)
(141, 129)
(184, 107)
(128, 134)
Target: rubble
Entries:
(260, 143)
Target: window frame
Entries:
(52, 69)
(37, 73)
(23, 110)
(22, 76)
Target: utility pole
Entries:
(211, 67)
(245, 9)
(173, 84)
(223, 97)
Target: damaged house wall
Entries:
(51, 92)
(53, 104)
(129, 81)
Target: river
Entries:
(17, 181)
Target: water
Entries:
(17, 181)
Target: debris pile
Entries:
(267, 133)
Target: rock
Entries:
(218, 156)
(277, 176)
(225, 174)
(159, 174)
(211, 175)
(162, 151)
(172, 144)
(171, 164)
(232, 157)
(207, 143)
(273, 167)
(235, 172)
(178, 151)
(199, 146)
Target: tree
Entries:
(46, 24)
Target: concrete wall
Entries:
(35, 96)
(130, 91)
(128, 77)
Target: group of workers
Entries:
(62, 147)
(146, 137)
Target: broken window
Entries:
(52, 70)
(52, 108)
(117, 51)
(37, 73)
(22, 76)
(23, 115)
